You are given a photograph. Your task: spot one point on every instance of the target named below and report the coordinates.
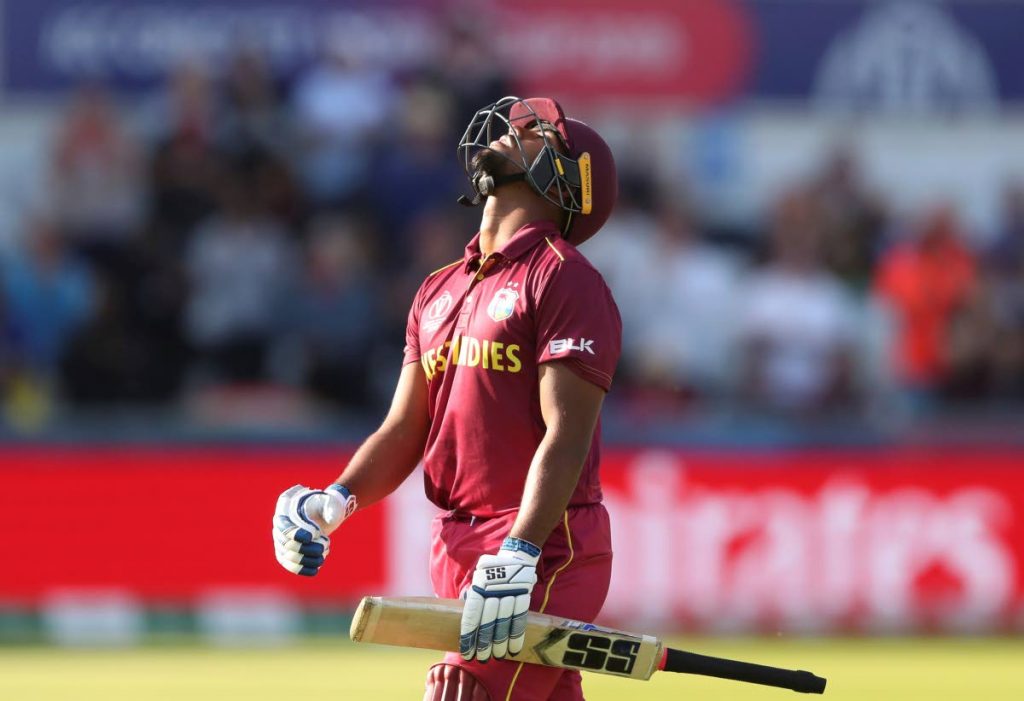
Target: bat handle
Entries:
(692, 663)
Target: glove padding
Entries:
(303, 520)
(494, 617)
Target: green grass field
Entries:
(861, 670)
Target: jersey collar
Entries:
(522, 241)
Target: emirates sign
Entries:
(882, 539)
(822, 542)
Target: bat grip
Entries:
(692, 663)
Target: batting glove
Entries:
(494, 617)
(303, 520)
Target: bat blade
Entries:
(433, 624)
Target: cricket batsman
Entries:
(509, 353)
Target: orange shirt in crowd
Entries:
(925, 282)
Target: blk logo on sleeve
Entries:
(564, 345)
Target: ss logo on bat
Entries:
(597, 652)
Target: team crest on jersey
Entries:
(437, 312)
(503, 304)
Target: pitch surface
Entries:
(877, 669)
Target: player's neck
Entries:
(503, 216)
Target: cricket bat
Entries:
(425, 622)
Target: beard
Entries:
(486, 162)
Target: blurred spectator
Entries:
(189, 106)
(25, 400)
(436, 238)
(184, 168)
(252, 118)
(469, 67)
(625, 247)
(986, 343)
(207, 282)
(98, 191)
(8, 343)
(341, 110)
(335, 313)
(105, 361)
(241, 266)
(131, 349)
(971, 346)
(417, 169)
(1008, 294)
(8, 354)
(681, 332)
(1006, 256)
(852, 220)
(797, 322)
(45, 295)
(255, 136)
(48, 295)
(926, 280)
(622, 251)
(676, 292)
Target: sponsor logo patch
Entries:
(437, 312)
(503, 304)
(564, 345)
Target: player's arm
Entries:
(387, 457)
(304, 517)
(570, 406)
(494, 618)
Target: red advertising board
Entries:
(700, 50)
(167, 524)
(880, 539)
(820, 540)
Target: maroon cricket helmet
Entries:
(575, 170)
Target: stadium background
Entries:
(214, 214)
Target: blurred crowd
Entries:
(239, 235)
(832, 306)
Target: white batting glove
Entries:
(494, 617)
(303, 520)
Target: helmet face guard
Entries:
(555, 174)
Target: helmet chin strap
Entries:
(568, 225)
(485, 186)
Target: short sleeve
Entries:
(578, 321)
(412, 335)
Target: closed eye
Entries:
(539, 128)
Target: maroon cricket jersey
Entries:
(480, 328)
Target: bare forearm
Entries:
(387, 457)
(381, 464)
(570, 407)
(553, 476)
